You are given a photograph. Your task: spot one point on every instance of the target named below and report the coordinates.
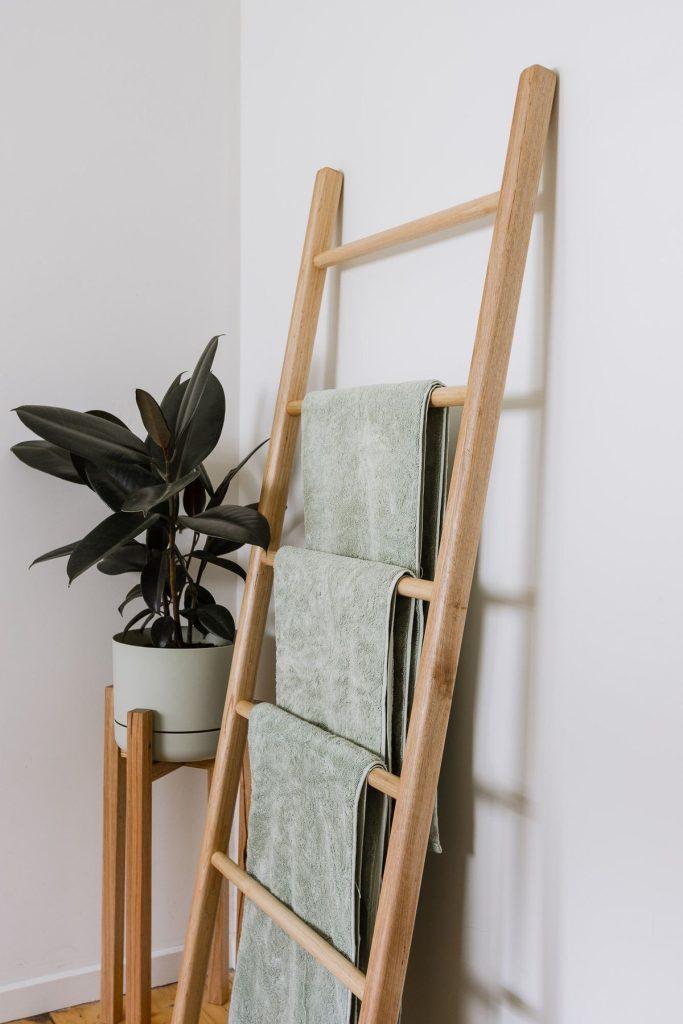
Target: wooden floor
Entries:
(162, 1007)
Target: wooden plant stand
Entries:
(127, 874)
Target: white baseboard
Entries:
(69, 988)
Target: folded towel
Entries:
(374, 470)
(334, 625)
(305, 845)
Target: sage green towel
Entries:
(334, 624)
(374, 467)
(305, 842)
(374, 474)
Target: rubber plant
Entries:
(144, 482)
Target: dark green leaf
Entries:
(204, 431)
(146, 498)
(206, 479)
(222, 488)
(171, 388)
(108, 535)
(224, 563)
(217, 620)
(195, 387)
(130, 478)
(144, 614)
(55, 553)
(113, 483)
(194, 497)
(153, 418)
(80, 466)
(191, 615)
(133, 594)
(106, 416)
(104, 486)
(127, 558)
(196, 595)
(231, 522)
(82, 433)
(162, 631)
(216, 546)
(170, 404)
(153, 580)
(157, 536)
(48, 458)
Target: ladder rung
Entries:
(430, 225)
(302, 933)
(407, 586)
(442, 398)
(378, 778)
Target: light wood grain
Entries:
(302, 933)
(458, 550)
(378, 778)
(218, 972)
(87, 1013)
(139, 867)
(162, 768)
(407, 586)
(163, 999)
(113, 879)
(242, 836)
(113, 869)
(254, 608)
(474, 209)
(442, 398)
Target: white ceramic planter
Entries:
(184, 687)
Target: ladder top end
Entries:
(539, 71)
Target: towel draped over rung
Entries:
(441, 398)
(407, 586)
(378, 778)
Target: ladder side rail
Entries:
(455, 567)
(254, 608)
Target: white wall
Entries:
(119, 259)
(560, 895)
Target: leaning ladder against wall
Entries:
(380, 990)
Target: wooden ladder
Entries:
(380, 990)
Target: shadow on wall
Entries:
(481, 948)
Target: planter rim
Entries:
(207, 646)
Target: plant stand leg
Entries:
(113, 870)
(218, 974)
(139, 867)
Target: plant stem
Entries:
(193, 599)
(172, 585)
